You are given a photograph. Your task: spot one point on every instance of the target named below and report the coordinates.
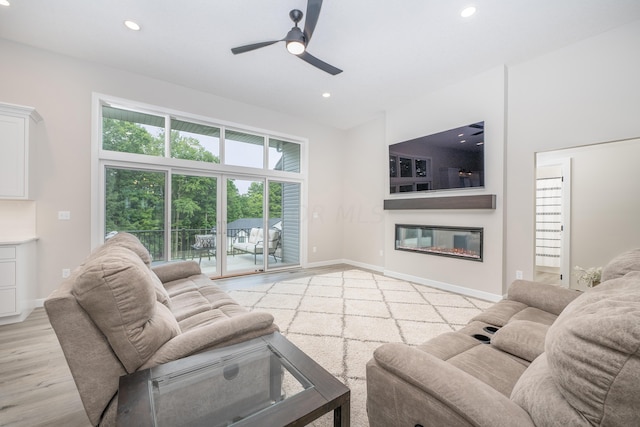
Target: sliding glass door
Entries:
(253, 226)
(245, 226)
(194, 217)
(135, 203)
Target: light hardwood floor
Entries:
(36, 387)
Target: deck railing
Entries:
(182, 240)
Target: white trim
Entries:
(101, 158)
(372, 267)
(445, 286)
(413, 279)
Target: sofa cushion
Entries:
(500, 313)
(593, 356)
(131, 242)
(535, 315)
(547, 298)
(117, 290)
(537, 393)
(621, 265)
(490, 366)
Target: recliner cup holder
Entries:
(490, 329)
(482, 338)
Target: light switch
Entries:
(64, 215)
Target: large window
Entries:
(135, 203)
(161, 177)
(192, 141)
(243, 149)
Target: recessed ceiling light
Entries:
(5, 3)
(326, 95)
(463, 141)
(132, 25)
(480, 143)
(461, 134)
(468, 11)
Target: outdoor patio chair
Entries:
(205, 246)
(255, 244)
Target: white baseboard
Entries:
(365, 266)
(445, 286)
(414, 279)
(377, 268)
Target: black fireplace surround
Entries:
(456, 242)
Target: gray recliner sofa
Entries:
(116, 314)
(543, 356)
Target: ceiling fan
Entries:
(296, 39)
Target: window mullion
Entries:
(223, 143)
(167, 135)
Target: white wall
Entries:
(474, 100)
(583, 94)
(365, 163)
(60, 88)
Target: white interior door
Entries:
(552, 245)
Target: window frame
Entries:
(101, 159)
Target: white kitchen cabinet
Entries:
(17, 133)
(18, 280)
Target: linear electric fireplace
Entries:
(457, 242)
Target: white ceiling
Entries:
(390, 51)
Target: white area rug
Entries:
(340, 318)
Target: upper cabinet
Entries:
(17, 130)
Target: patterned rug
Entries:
(340, 318)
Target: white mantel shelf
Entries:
(482, 201)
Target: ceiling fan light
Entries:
(295, 41)
(295, 47)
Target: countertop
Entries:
(16, 240)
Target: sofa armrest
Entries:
(463, 395)
(549, 298)
(521, 338)
(229, 331)
(170, 271)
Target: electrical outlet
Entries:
(66, 272)
(519, 274)
(314, 249)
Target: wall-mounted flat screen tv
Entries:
(452, 159)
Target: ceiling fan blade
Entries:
(477, 133)
(306, 56)
(254, 46)
(313, 13)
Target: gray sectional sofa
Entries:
(116, 314)
(543, 356)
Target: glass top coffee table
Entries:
(266, 381)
